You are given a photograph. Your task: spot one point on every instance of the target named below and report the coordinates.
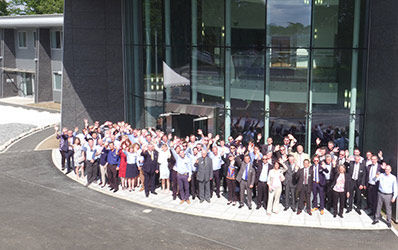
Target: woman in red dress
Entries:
(123, 165)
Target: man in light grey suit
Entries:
(246, 178)
(290, 184)
(205, 174)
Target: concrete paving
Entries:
(43, 209)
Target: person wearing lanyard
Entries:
(319, 182)
(183, 174)
(387, 194)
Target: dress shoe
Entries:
(229, 202)
(201, 201)
(341, 216)
(193, 197)
(258, 207)
(322, 212)
(358, 211)
(182, 201)
(388, 224)
(188, 201)
(293, 209)
(349, 210)
(334, 215)
(250, 208)
(218, 196)
(174, 198)
(111, 189)
(147, 195)
(208, 201)
(375, 222)
(314, 209)
(102, 186)
(309, 212)
(286, 208)
(115, 190)
(298, 212)
(154, 193)
(234, 204)
(63, 168)
(100, 183)
(240, 206)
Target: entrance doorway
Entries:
(184, 124)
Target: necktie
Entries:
(151, 155)
(305, 176)
(247, 169)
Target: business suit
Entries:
(372, 186)
(355, 192)
(262, 184)
(246, 178)
(304, 187)
(150, 166)
(340, 196)
(267, 148)
(290, 186)
(204, 175)
(319, 182)
(231, 170)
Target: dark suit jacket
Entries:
(299, 176)
(289, 180)
(264, 149)
(378, 170)
(150, 166)
(259, 164)
(205, 169)
(321, 175)
(347, 182)
(251, 175)
(361, 174)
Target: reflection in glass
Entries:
(288, 23)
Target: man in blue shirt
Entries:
(113, 160)
(184, 172)
(387, 194)
(91, 161)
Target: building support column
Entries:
(167, 31)
(354, 76)
(227, 70)
(194, 51)
(148, 64)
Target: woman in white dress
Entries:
(275, 179)
(78, 158)
(164, 172)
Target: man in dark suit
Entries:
(304, 178)
(268, 147)
(290, 184)
(205, 174)
(150, 167)
(246, 178)
(372, 185)
(357, 172)
(263, 168)
(319, 182)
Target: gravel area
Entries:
(13, 130)
(17, 121)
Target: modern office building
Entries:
(312, 68)
(31, 57)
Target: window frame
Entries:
(61, 39)
(19, 39)
(55, 74)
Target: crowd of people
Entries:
(117, 156)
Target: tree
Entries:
(3, 8)
(32, 7)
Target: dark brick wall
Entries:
(381, 120)
(93, 62)
(9, 89)
(44, 90)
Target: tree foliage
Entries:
(32, 7)
(3, 8)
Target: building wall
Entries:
(8, 53)
(25, 56)
(381, 130)
(56, 66)
(93, 62)
(44, 74)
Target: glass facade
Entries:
(279, 67)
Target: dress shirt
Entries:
(327, 175)
(388, 184)
(193, 159)
(246, 173)
(183, 165)
(216, 160)
(316, 173)
(90, 152)
(355, 172)
(372, 174)
(113, 157)
(306, 172)
(131, 158)
(264, 173)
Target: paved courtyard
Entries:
(219, 209)
(43, 209)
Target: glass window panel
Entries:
(210, 22)
(248, 23)
(22, 39)
(288, 93)
(57, 81)
(56, 39)
(247, 92)
(210, 76)
(289, 23)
